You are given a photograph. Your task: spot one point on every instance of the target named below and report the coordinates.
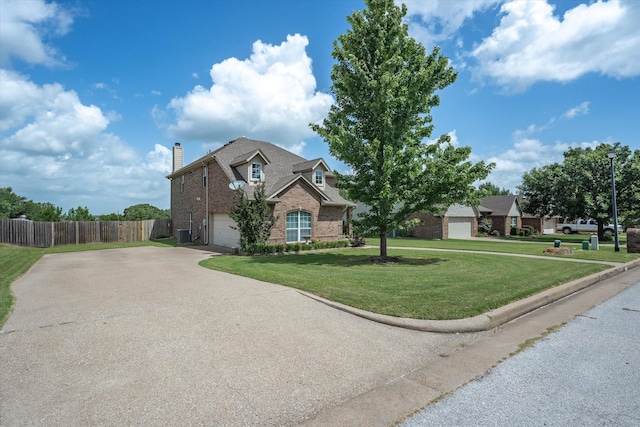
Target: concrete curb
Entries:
(490, 319)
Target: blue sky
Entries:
(93, 94)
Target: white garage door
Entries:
(223, 234)
(549, 226)
(460, 228)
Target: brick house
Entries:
(544, 225)
(503, 211)
(300, 192)
(455, 222)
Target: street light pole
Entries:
(611, 154)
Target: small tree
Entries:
(253, 217)
(79, 214)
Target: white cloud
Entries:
(528, 153)
(580, 110)
(54, 148)
(436, 20)
(271, 96)
(24, 24)
(532, 44)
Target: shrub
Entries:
(495, 233)
(485, 226)
(357, 241)
(481, 234)
(515, 231)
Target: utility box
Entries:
(585, 246)
(594, 242)
(556, 243)
(183, 235)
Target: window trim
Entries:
(204, 176)
(182, 183)
(255, 166)
(318, 174)
(298, 229)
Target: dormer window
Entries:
(319, 177)
(256, 171)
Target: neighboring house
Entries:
(300, 192)
(546, 225)
(503, 211)
(456, 222)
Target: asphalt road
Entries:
(586, 374)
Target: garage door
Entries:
(460, 228)
(549, 226)
(223, 234)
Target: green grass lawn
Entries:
(606, 253)
(424, 285)
(16, 261)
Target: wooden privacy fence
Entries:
(47, 234)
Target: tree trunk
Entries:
(600, 229)
(383, 245)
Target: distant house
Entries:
(544, 225)
(503, 211)
(455, 222)
(301, 193)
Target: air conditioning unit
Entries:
(183, 235)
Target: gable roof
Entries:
(499, 205)
(282, 168)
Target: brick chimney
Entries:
(178, 157)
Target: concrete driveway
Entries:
(146, 336)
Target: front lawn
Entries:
(424, 285)
(606, 253)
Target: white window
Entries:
(256, 171)
(319, 178)
(514, 221)
(298, 226)
(204, 176)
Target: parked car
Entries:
(584, 226)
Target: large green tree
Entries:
(384, 83)
(144, 211)
(580, 186)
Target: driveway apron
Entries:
(146, 336)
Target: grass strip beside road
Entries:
(424, 285)
(606, 253)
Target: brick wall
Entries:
(633, 240)
(190, 200)
(536, 223)
(326, 221)
(431, 227)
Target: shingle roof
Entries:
(278, 172)
(499, 205)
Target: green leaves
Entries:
(384, 84)
(580, 187)
(254, 217)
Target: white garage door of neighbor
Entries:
(549, 226)
(460, 228)
(223, 234)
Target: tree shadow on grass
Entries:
(342, 260)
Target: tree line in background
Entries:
(580, 186)
(13, 205)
